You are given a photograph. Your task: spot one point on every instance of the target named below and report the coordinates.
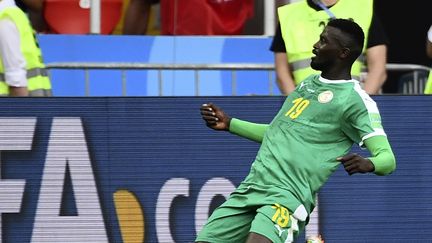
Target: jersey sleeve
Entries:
(382, 155)
(361, 117)
(249, 130)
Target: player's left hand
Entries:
(354, 163)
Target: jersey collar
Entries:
(336, 81)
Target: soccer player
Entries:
(304, 144)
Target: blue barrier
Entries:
(161, 50)
(75, 154)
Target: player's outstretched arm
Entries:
(217, 119)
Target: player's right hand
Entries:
(215, 117)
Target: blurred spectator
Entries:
(188, 17)
(309, 17)
(22, 71)
(429, 42)
(34, 10)
(205, 17)
(428, 88)
(136, 16)
(407, 44)
(118, 30)
(74, 16)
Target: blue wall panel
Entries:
(161, 50)
(139, 144)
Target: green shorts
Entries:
(250, 209)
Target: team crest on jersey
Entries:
(325, 96)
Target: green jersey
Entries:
(318, 122)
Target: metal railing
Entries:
(415, 86)
(124, 67)
(413, 82)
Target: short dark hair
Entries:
(354, 31)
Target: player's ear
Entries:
(344, 52)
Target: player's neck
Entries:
(336, 75)
(329, 2)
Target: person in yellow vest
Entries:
(299, 26)
(428, 88)
(22, 72)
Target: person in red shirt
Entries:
(205, 17)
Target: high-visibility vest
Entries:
(428, 88)
(37, 77)
(302, 25)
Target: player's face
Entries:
(326, 49)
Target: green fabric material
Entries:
(249, 130)
(245, 211)
(382, 155)
(318, 123)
